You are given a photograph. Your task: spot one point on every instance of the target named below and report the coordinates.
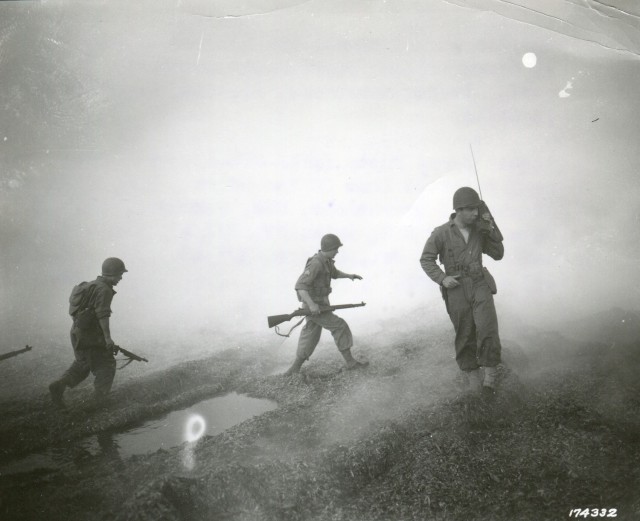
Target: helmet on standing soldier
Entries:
(113, 266)
(330, 242)
(465, 197)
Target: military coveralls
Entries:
(470, 305)
(316, 279)
(89, 346)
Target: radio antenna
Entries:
(476, 169)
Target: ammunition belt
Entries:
(473, 272)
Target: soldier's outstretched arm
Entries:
(343, 275)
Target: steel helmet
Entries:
(465, 197)
(330, 242)
(113, 266)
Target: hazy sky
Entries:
(211, 144)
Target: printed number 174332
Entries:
(593, 512)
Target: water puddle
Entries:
(209, 417)
(218, 415)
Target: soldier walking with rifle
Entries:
(93, 347)
(313, 288)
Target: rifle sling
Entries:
(289, 333)
(126, 360)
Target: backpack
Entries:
(84, 316)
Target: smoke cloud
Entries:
(212, 152)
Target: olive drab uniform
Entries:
(316, 279)
(89, 346)
(470, 305)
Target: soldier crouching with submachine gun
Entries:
(313, 288)
(467, 287)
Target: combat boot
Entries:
(490, 376)
(295, 367)
(352, 363)
(489, 384)
(473, 381)
(56, 389)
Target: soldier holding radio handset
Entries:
(467, 287)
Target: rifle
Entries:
(131, 356)
(16, 353)
(279, 319)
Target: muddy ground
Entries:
(397, 441)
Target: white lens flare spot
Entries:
(529, 60)
(195, 428)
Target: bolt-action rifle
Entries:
(16, 353)
(279, 319)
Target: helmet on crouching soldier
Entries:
(113, 267)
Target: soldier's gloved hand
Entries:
(451, 281)
(353, 276)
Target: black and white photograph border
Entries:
(230, 177)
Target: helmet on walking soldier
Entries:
(465, 197)
(330, 242)
(113, 266)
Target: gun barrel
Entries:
(346, 306)
(16, 353)
(275, 320)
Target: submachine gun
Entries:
(129, 356)
(276, 320)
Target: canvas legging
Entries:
(310, 334)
